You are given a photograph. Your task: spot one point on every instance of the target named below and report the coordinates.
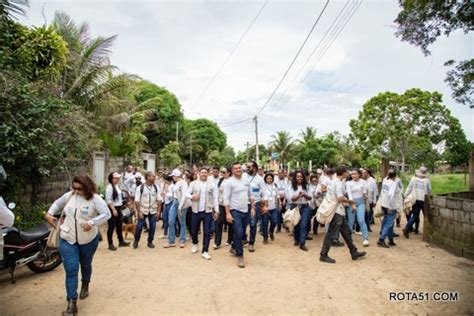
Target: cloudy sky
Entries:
(181, 45)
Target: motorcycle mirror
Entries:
(11, 205)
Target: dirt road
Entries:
(279, 279)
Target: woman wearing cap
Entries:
(178, 210)
(113, 198)
(422, 186)
(83, 212)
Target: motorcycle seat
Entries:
(36, 233)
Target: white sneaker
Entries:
(194, 249)
(358, 233)
(227, 244)
(216, 247)
(162, 237)
(206, 256)
(365, 243)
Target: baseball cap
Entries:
(176, 173)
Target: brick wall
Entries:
(449, 223)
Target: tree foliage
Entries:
(206, 137)
(169, 155)
(461, 81)
(283, 144)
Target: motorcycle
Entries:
(28, 247)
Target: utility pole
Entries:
(191, 150)
(256, 139)
(177, 131)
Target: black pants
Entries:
(115, 222)
(337, 224)
(219, 227)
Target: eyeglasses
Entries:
(77, 188)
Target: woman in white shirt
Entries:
(269, 211)
(83, 211)
(299, 195)
(113, 198)
(357, 192)
(168, 199)
(225, 175)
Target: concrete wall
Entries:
(449, 223)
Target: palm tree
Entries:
(10, 8)
(283, 144)
(88, 79)
(308, 135)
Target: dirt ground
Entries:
(279, 279)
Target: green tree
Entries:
(169, 155)
(283, 144)
(221, 158)
(457, 146)
(388, 121)
(421, 22)
(10, 9)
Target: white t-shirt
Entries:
(270, 194)
(109, 191)
(356, 189)
(422, 187)
(257, 184)
(293, 193)
(335, 190)
(390, 193)
(237, 194)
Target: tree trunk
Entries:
(403, 162)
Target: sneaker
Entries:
(162, 237)
(112, 247)
(337, 243)
(365, 243)
(327, 259)
(391, 242)
(181, 245)
(296, 244)
(272, 237)
(232, 251)
(358, 254)
(169, 245)
(135, 244)
(194, 248)
(309, 238)
(227, 243)
(241, 262)
(215, 247)
(405, 233)
(381, 243)
(150, 245)
(251, 248)
(358, 233)
(206, 256)
(265, 241)
(124, 244)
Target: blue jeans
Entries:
(166, 212)
(253, 223)
(172, 216)
(302, 229)
(239, 225)
(206, 219)
(415, 214)
(271, 217)
(74, 256)
(182, 227)
(387, 224)
(359, 213)
(151, 229)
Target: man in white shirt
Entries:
(335, 194)
(237, 195)
(148, 205)
(389, 200)
(282, 185)
(205, 203)
(422, 186)
(257, 185)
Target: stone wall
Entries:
(449, 223)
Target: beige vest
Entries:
(78, 211)
(195, 188)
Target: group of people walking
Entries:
(241, 200)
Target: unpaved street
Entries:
(279, 279)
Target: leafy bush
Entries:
(27, 218)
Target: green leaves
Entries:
(169, 155)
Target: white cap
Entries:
(116, 175)
(138, 175)
(176, 173)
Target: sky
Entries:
(181, 44)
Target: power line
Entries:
(312, 53)
(231, 54)
(293, 61)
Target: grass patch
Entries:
(444, 183)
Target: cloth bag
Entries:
(326, 211)
(292, 217)
(55, 233)
(378, 208)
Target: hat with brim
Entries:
(116, 175)
(422, 172)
